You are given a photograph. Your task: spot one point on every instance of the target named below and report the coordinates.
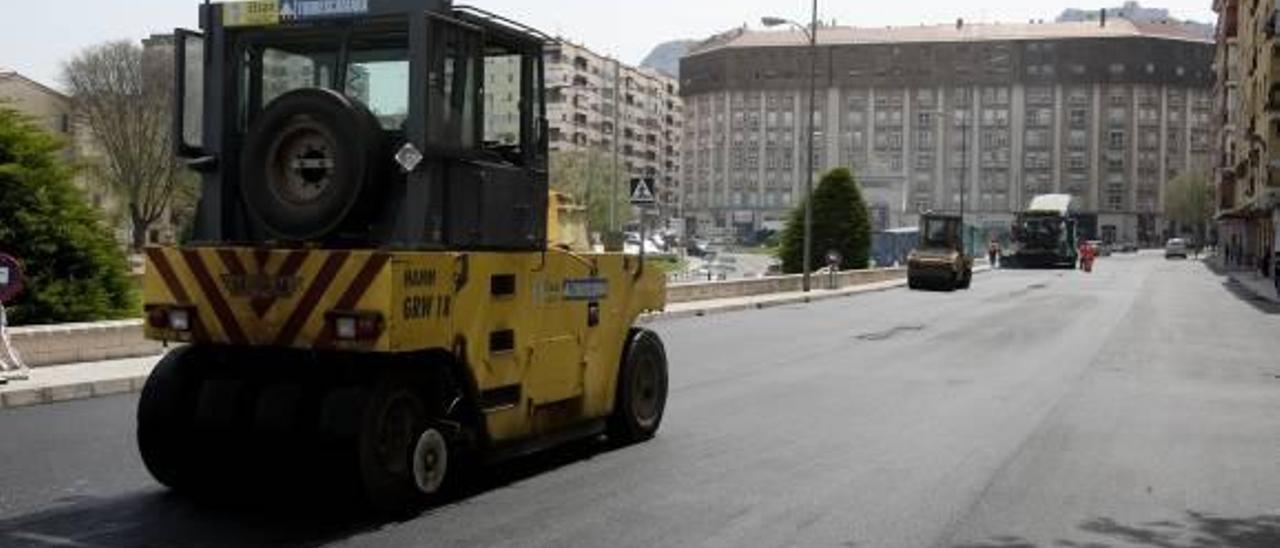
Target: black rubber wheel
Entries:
(310, 162)
(641, 396)
(166, 409)
(967, 280)
(393, 425)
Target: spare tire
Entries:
(307, 161)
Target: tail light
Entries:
(172, 317)
(355, 326)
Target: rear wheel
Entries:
(966, 280)
(166, 410)
(402, 460)
(641, 389)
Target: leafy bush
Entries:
(840, 222)
(74, 271)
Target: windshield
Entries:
(376, 71)
(1043, 231)
(939, 232)
(380, 80)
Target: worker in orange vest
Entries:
(1087, 254)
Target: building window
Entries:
(1037, 138)
(1077, 162)
(1116, 68)
(925, 162)
(1115, 139)
(1116, 116)
(1077, 139)
(1115, 162)
(1115, 201)
(924, 140)
(1078, 117)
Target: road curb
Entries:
(768, 303)
(44, 395)
(825, 295)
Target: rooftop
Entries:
(13, 75)
(1116, 28)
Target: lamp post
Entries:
(812, 34)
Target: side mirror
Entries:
(188, 99)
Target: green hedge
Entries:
(74, 269)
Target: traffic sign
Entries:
(642, 191)
(10, 278)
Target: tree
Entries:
(840, 223)
(1189, 201)
(124, 95)
(588, 176)
(74, 269)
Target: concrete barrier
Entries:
(42, 345)
(46, 345)
(700, 291)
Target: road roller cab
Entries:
(404, 124)
(939, 259)
(370, 276)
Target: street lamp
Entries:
(812, 34)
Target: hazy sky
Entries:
(36, 36)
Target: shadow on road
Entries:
(1195, 530)
(159, 518)
(1241, 292)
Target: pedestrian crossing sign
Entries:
(642, 191)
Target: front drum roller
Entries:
(641, 396)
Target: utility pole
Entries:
(964, 173)
(808, 175)
(617, 134)
(812, 34)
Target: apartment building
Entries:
(633, 116)
(1109, 111)
(1247, 145)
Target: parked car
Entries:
(697, 248)
(1127, 247)
(1175, 247)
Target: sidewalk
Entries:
(1262, 287)
(1247, 278)
(62, 383)
(79, 381)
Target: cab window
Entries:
(380, 80)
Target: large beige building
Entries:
(1109, 111)
(633, 116)
(1247, 147)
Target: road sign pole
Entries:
(11, 366)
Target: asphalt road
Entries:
(1137, 406)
